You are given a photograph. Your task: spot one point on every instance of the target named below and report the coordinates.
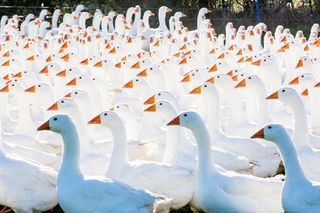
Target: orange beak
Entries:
(196, 90)
(274, 95)
(54, 107)
(31, 58)
(185, 79)
(221, 56)
(72, 82)
(259, 134)
(98, 64)
(63, 73)
(210, 80)
(305, 92)
(175, 121)
(294, 81)
(66, 57)
(239, 52)
(44, 126)
(150, 100)
(213, 68)
(136, 65)
(85, 62)
(151, 108)
(68, 95)
(249, 59)
(95, 120)
(113, 51)
(5, 89)
(257, 63)
(18, 75)
(45, 70)
(184, 47)
(143, 73)
(242, 83)
(31, 89)
(128, 85)
(299, 64)
(183, 61)
(6, 64)
(241, 60)
(49, 59)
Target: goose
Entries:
(268, 161)
(298, 193)
(26, 186)
(78, 193)
(25, 23)
(234, 188)
(121, 169)
(177, 152)
(301, 137)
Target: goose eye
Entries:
(69, 70)
(250, 78)
(185, 115)
(39, 85)
(283, 90)
(151, 68)
(105, 114)
(220, 63)
(62, 101)
(94, 79)
(137, 80)
(118, 107)
(76, 93)
(205, 85)
(51, 65)
(55, 119)
(25, 72)
(12, 59)
(302, 76)
(105, 61)
(12, 85)
(192, 74)
(269, 127)
(159, 94)
(80, 77)
(15, 80)
(160, 104)
(218, 76)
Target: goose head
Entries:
(271, 132)
(59, 124)
(40, 89)
(287, 95)
(108, 119)
(65, 105)
(187, 119)
(164, 109)
(80, 8)
(304, 80)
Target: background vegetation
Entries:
(295, 14)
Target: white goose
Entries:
(233, 192)
(79, 193)
(298, 194)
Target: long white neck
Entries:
(213, 108)
(263, 107)
(301, 133)
(82, 21)
(174, 145)
(315, 114)
(294, 172)
(119, 156)
(146, 21)
(162, 21)
(237, 115)
(71, 154)
(55, 18)
(137, 18)
(206, 167)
